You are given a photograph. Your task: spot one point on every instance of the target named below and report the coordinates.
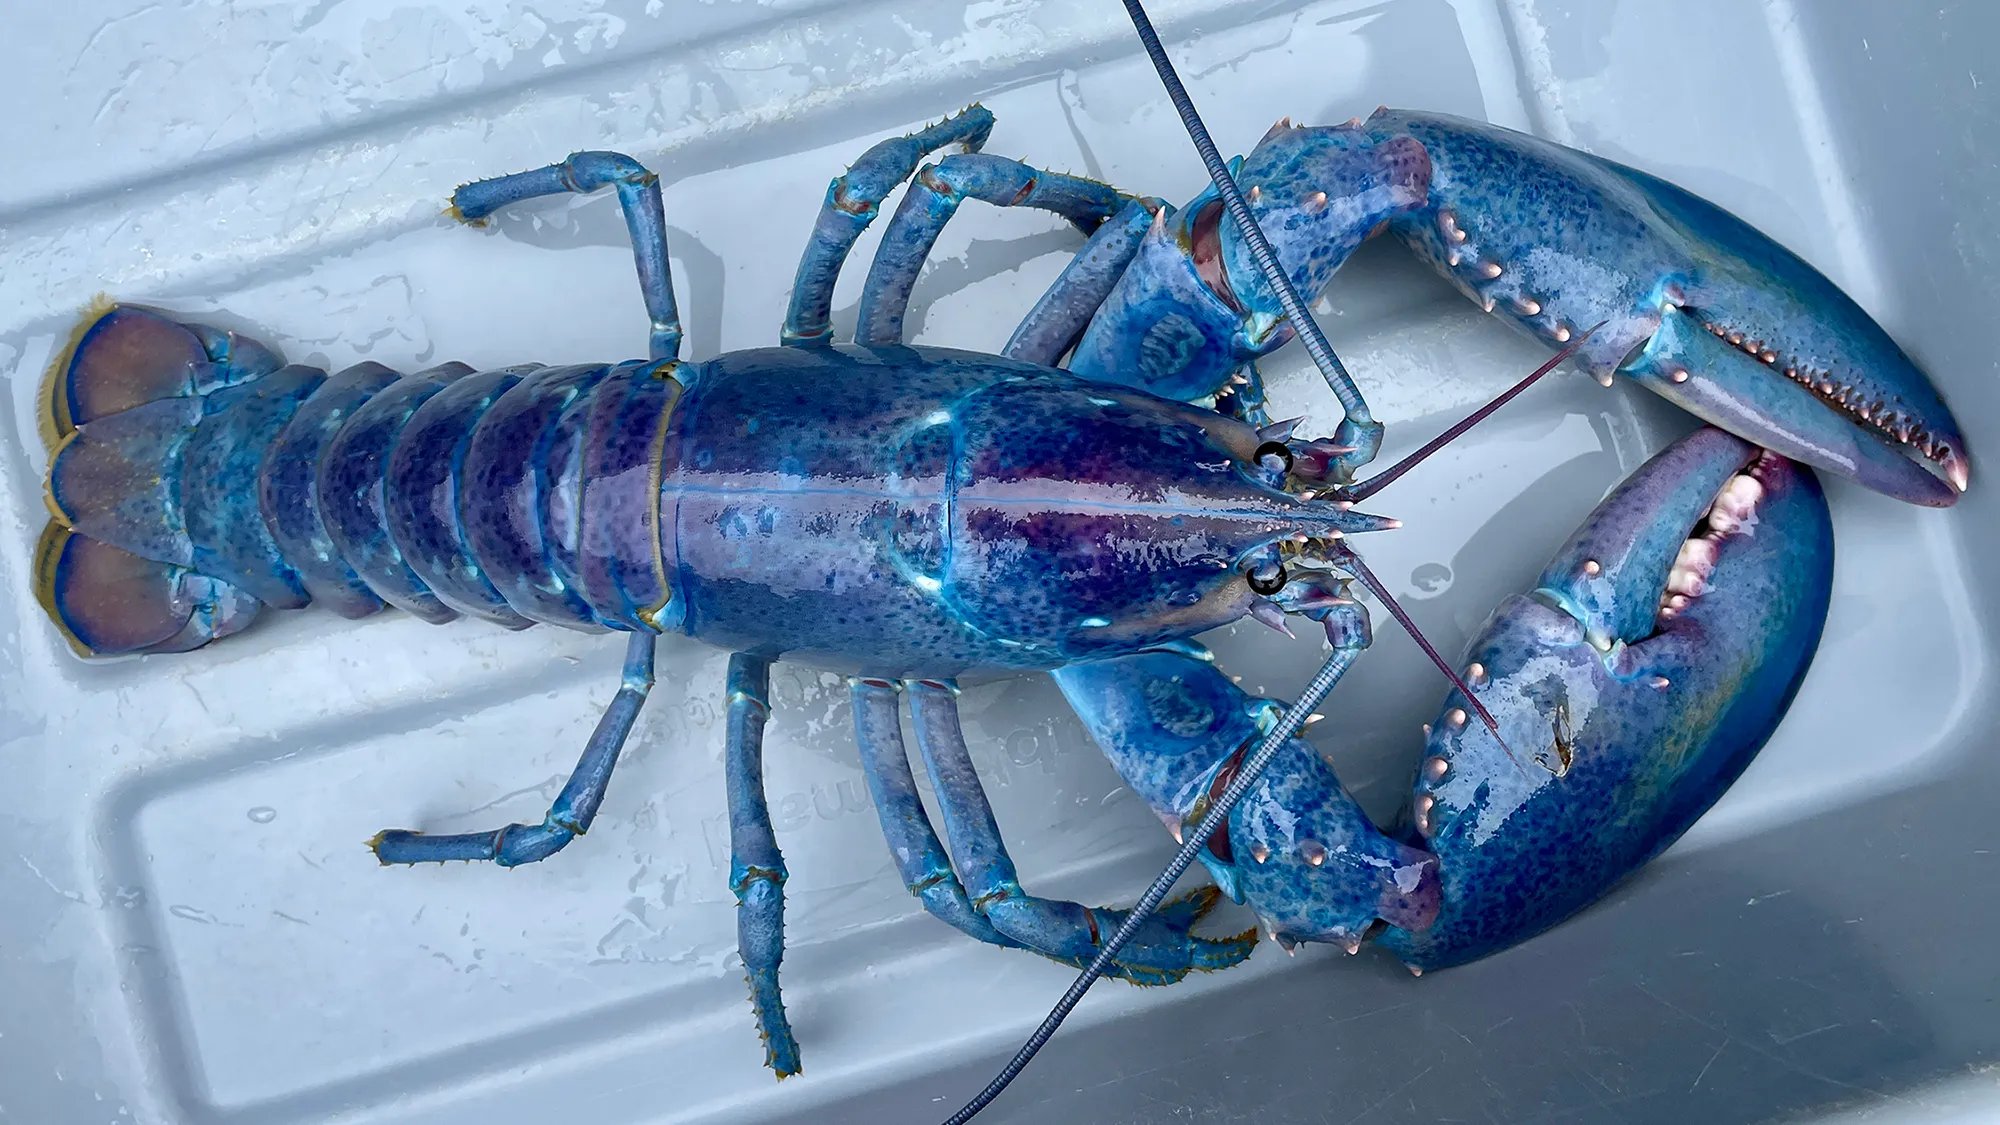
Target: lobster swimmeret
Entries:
(912, 516)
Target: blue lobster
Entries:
(914, 516)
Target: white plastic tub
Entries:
(193, 931)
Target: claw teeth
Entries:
(1692, 567)
(1735, 504)
(1491, 269)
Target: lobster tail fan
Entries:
(124, 356)
(124, 406)
(119, 358)
(110, 602)
(118, 479)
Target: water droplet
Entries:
(1431, 579)
(262, 814)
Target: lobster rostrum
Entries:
(913, 516)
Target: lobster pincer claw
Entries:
(1656, 656)
(1695, 304)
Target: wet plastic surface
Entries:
(194, 932)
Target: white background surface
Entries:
(195, 933)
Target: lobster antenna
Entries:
(1353, 562)
(1358, 492)
(1359, 428)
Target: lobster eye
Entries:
(1274, 449)
(1267, 580)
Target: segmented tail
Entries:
(196, 478)
(133, 468)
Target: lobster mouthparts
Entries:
(1657, 655)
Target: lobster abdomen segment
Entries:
(506, 491)
(290, 504)
(195, 480)
(421, 496)
(351, 491)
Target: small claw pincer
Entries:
(1656, 656)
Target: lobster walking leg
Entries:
(639, 195)
(933, 198)
(878, 727)
(1161, 953)
(1060, 316)
(851, 204)
(574, 808)
(756, 867)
